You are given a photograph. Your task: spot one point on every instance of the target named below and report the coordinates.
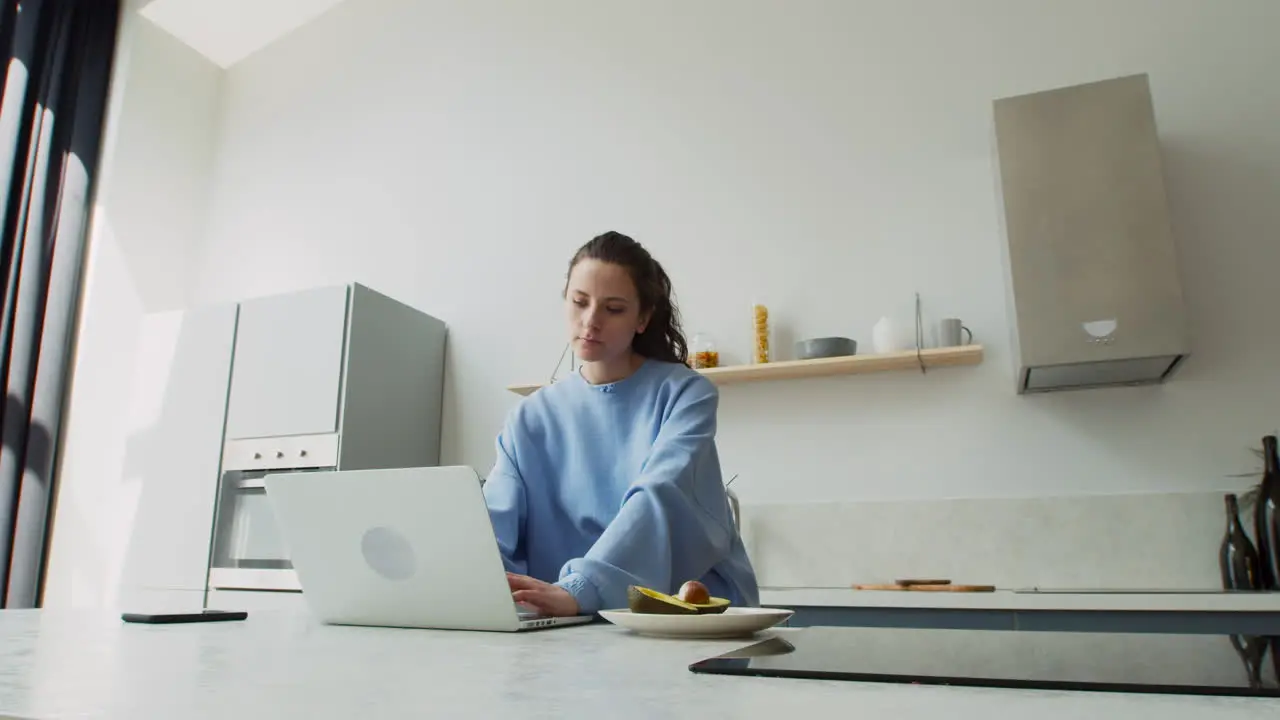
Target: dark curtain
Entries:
(52, 108)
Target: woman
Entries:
(610, 477)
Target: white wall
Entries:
(149, 216)
(828, 158)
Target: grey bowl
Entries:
(825, 347)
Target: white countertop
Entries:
(1008, 599)
(279, 665)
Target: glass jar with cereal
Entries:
(703, 353)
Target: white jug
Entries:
(884, 336)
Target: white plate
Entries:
(733, 622)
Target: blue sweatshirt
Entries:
(598, 487)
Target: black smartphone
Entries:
(168, 618)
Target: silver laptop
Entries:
(409, 547)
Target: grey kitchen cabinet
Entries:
(393, 387)
(339, 378)
(287, 372)
(345, 360)
(327, 378)
(173, 451)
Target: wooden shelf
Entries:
(825, 367)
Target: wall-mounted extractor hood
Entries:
(1091, 270)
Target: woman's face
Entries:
(603, 310)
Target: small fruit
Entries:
(645, 600)
(649, 601)
(694, 593)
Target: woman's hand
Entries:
(546, 598)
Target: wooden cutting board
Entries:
(923, 581)
(925, 587)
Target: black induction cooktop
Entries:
(1115, 662)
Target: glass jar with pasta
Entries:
(760, 351)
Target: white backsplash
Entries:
(1161, 540)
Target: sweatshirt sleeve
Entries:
(504, 496)
(672, 523)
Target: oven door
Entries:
(249, 551)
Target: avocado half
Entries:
(646, 600)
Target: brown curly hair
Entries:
(662, 339)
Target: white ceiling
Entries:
(227, 31)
